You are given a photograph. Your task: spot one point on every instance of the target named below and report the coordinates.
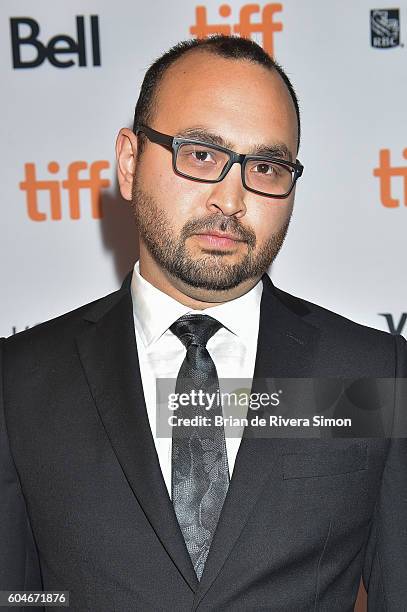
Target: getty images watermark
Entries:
(289, 407)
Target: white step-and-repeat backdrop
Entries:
(71, 72)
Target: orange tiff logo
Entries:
(385, 172)
(266, 25)
(73, 185)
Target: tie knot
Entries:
(195, 329)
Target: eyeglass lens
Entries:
(207, 163)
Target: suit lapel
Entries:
(286, 349)
(108, 352)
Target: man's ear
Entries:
(126, 153)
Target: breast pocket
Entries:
(325, 462)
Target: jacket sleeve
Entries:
(385, 567)
(19, 561)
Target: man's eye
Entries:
(264, 168)
(203, 156)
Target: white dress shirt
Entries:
(233, 349)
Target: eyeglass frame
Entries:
(173, 143)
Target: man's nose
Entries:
(228, 195)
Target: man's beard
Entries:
(210, 271)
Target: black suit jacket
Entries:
(84, 507)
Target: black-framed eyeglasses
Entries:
(209, 163)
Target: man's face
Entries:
(246, 106)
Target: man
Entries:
(97, 504)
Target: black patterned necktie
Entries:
(200, 473)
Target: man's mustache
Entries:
(216, 224)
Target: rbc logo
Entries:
(73, 184)
(266, 26)
(385, 28)
(25, 34)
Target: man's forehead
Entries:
(203, 70)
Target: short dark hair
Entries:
(232, 47)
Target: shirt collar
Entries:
(148, 301)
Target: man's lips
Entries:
(218, 239)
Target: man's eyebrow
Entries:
(277, 149)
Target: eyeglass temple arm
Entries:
(157, 137)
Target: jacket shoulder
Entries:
(64, 325)
(345, 341)
(328, 320)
